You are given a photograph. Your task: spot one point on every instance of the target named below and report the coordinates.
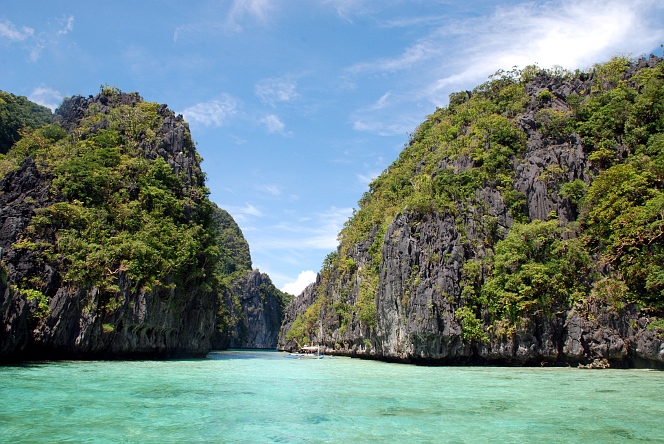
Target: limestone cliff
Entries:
(251, 308)
(493, 238)
(105, 231)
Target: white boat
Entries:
(307, 352)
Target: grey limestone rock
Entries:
(162, 322)
(420, 273)
(257, 309)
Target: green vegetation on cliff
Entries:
(251, 308)
(113, 208)
(527, 266)
(107, 227)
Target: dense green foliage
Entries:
(533, 271)
(17, 113)
(114, 211)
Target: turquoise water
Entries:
(249, 396)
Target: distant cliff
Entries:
(521, 225)
(251, 308)
(251, 313)
(16, 113)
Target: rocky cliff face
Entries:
(256, 309)
(48, 313)
(397, 293)
(251, 308)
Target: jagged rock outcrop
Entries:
(43, 316)
(418, 282)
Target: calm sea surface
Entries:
(250, 396)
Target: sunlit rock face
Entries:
(416, 267)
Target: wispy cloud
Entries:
(348, 8)
(572, 34)
(366, 179)
(46, 97)
(382, 102)
(317, 232)
(322, 231)
(376, 118)
(212, 113)
(238, 140)
(384, 122)
(273, 124)
(9, 31)
(371, 171)
(242, 213)
(260, 10)
(272, 190)
(272, 91)
(413, 21)
(233, 21)
(34, 43)
(421, 51)
(303, 280)
(68, 24)
(36, 51)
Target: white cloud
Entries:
(366, 179)
(572, 34)
(346, 8)
(240, 214)
(460, 55)
(249, 209)
(387, 124)
(35, 51)
(258, 9)
(271, 91)
(421, 51)
(270, 189)
(303, 280)
(8, 30)
(212, 113)
(68, 25)
(239, 11)
(34, 43)
(326, 228)
(382, 102)
(379, 118)
(273, 124)
(238, 140)
(46, 97)
(318, 232)
(412, 21)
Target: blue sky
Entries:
(296, 105)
